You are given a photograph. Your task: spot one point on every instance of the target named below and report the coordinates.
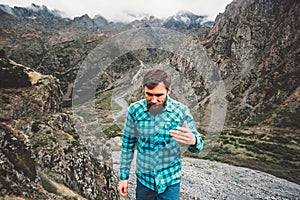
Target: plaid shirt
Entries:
(158, 155)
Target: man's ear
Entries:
(169, 90)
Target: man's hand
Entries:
(123, 187)
(183, 135)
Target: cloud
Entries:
(120, 10)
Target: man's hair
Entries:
(153, 77)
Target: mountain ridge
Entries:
(42, 11)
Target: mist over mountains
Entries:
(185, 19)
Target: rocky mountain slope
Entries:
(254, 43)
(41, 154)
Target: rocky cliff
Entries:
(42, 155)
(255, 44)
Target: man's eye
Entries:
(151, 95)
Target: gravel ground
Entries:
(204, 179)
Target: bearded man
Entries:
(157, 125)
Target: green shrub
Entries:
(66, 103)
(112, 131)
(35, 127)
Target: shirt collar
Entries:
(169, 105)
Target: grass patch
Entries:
(112, 131)
(275, 151)
(104, 102)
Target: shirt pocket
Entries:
(169, 125)
(145, 128)
(172, 124)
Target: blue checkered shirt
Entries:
(158, 162)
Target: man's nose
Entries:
(154, 99)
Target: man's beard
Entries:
(155, 109)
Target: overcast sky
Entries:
(120, 10)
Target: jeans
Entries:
(171, 193)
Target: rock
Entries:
(42, 155)
(256, 53)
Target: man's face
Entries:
(156, 97)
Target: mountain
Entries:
(33, 12)
(257, 52)
(184, 20)
(254, 45)
(48, 38)
(41, 154)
